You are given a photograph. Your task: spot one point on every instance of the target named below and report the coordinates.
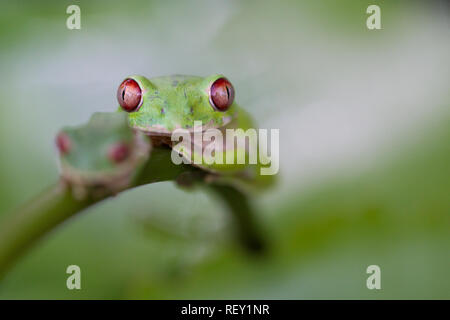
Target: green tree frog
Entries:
(160, 105)
(101, 157)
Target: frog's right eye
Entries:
(129, 95)
(118, 152)
(63, 143)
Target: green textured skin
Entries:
(246, 176)
(176, 101)
(87, 162)
(242, 120)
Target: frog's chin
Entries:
(85, 184)
(159, 130)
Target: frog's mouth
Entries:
(160, 130)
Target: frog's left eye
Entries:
(221, 94)
(129, 95)
(118, 152)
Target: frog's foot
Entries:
(160, 141)
(188, 180)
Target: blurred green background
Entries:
(364, 128)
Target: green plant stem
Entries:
(57, 204)
(248, 231)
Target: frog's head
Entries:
(105, 152)
(160, 105)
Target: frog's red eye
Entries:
(221, 94)
(129, 95)
(63, 143)
(118, 152)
